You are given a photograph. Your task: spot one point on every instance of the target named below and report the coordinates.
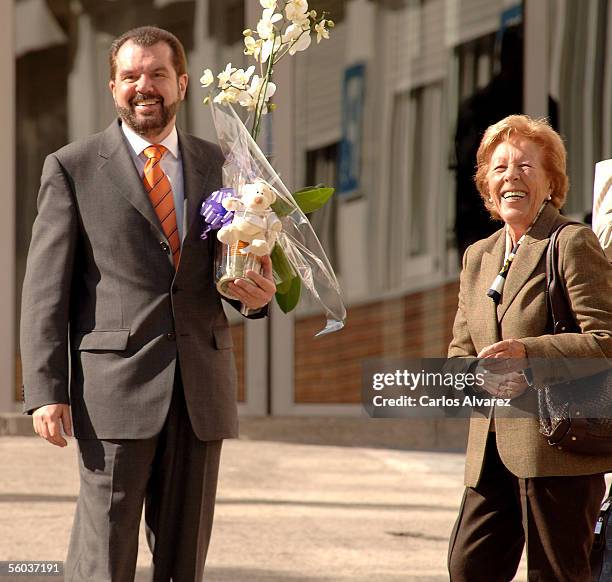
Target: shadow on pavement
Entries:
(338, 505)
(42, 498)
(36, 498)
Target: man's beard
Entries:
(149, 125)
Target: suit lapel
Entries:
(195, 177)
(491, 264)
(528, 257)
(118, 166)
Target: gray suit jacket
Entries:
(105, 317)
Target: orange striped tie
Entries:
(160, 193)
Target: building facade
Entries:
(388, 110)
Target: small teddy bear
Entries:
(254, 221)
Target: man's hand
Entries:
(48, 421)
(259, 294)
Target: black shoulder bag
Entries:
(574, 416)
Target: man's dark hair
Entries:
(146, 36)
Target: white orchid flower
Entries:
(270, 90)
(207, 78)
(224, 76)
(227, 96)
(247, 100)
(302, 5)
(269, 47)
(256, 86)
(240, 78)
(302, 43)
(265, 27)
(251, 99)
(256, 82)
(268, 4)
(252, 46)
(292, 33)
(322, 32)
(296, 10)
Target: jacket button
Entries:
(171, 336)
(164, 246)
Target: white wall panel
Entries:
(469, 19)
(429, 64)
(403, 35)
(7, 218)
(83, 90)
(37, 29)
(417, 45)
(320, 71)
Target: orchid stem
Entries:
(261, 96)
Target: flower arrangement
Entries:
(254, 213)
(276, 37)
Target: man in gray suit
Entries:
(122, 325)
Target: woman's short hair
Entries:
(146, 36)
(553, 154)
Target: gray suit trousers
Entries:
(174, 474)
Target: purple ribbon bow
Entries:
(215, 216)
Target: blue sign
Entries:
(349, 162)
(510, 17)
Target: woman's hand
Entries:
(510, 385)
(504, 357)
(502, 365)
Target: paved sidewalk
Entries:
(286, 512)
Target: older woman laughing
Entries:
(519, 490)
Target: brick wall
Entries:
(328, 369)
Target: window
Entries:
(475, 61)
(415, 170)
(581, 85)
(322, 168)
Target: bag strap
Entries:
(556, 292)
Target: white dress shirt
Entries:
(171, 164)
(602, 205)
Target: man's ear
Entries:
(183, 81)
(111, 86)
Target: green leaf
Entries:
(308, 199)
(311, 199)
(283, 270)
(281, 207)
(288, 283)
(289, 300)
